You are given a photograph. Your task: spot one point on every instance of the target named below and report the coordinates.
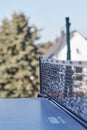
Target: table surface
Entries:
(34, 114)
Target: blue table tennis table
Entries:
(35, 114)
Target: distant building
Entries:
(78, 44)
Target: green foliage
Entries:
(19, 67)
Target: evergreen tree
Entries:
(19, 67)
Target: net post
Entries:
(68, 38)
(68, 58)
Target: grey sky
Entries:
(49, 14)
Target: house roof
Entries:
(55, 46)
(58, 44)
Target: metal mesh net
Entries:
(66, 82)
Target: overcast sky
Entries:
(49, 14)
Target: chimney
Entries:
(62, 33)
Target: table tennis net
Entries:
(66, 83)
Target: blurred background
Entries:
(28, 28)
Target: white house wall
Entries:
(78, 49)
